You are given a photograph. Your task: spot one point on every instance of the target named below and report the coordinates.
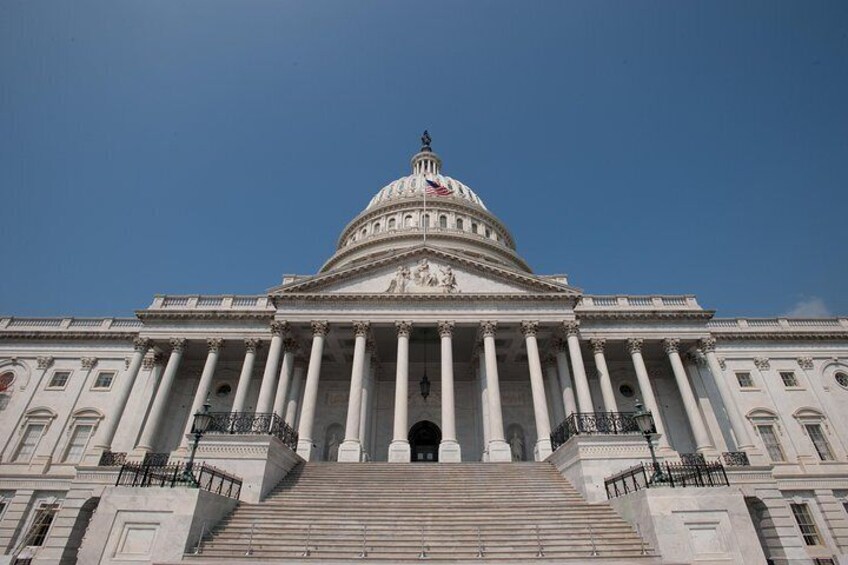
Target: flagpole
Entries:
(424, 218)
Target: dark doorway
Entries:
(424, 439)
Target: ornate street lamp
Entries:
(201, 423)
(645, 422)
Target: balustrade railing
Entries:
(112, 458)
(735, 459)
(674, 475)
(577, 423)
(252, 423)
(201, 476)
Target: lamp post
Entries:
(202, 421)
(645, 422)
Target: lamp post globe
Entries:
(200, 425)
(645, 423)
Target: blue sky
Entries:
(209, 147)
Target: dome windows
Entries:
(460, 225)
(377, 227)
(392, 223)
(407, 221)
(443, 221)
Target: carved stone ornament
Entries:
(671, 345)
(422, 280)
(403, 328)
(722, 363)
(558, 345)
(634, 345)
(88, 362)
(529, 328)
(252, 344)
(571, 328)
(489, 328)
(762, 363)
(178, 343)
(597, 344)
(321, 328)
(279, 328)
(141, 343)
(446, 329)
(805, 363)
(708, 344)
(44, 362)
(361, 329)
(215, 343)
(696, 358)
(148, 362)
(290, 344)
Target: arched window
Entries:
(377, 227)
(443, 221)
(364, 232)
(6, 380)
(474, 227)
(407, 221)
(488, 232)
(460, 224)
(392, 223)
(427, 220)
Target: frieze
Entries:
(423, 279)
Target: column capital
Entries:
(215, 344)
(488, 328)
(252, 344)
(44, 362)
(290, 345)
(671, 345)
(707, 344)
(598, 344)
(404, 328)
(280, 328)
(446, 328)
(141, 344)
(529, 328)
(570, 328)
(634, 344)
(151, 361)
(178, 343)
(320, 327)
(361, 328)
(696, 357)
(762, 363)
(88, 362)
(805, 363)
(558, 345)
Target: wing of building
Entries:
(424, 395)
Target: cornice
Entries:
(73, 335)
(646, 315)
(204, 315)
(780, 336)
(373, 297)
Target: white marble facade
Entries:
(508, 354)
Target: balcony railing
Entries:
(735, 459)
(252, 423)
(674, 475)
(112, 458)
(612, 423)
(203, 476)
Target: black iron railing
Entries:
(112, 458)
(594, 423)
(202, 476)
(735, 459)
(253, 423)
(673, 475)
(157, 459)
(693, 459)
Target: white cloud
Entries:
(810, 307)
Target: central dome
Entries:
(413, 186)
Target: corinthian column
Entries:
(737, 422)
(699, 430)
(289, 348)
(603, 375)
(160, 402)
(581, 382)
(215, 344)
(553, 390)
(537, 385)
(310, 393)
(568, 399)
(498, 448)
(351, 450)
(634, 346)
(449, 450)
(399, 451)
(250, 346)
(266, 390)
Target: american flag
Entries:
(434, 188)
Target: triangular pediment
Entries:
(425, 271)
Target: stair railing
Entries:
(364, 553)
(424, 547)
(307, 549)
(594, 552)
(480, 550)
(249, 551)
(197, 549)
(541, 552)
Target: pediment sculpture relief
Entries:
(423, 279)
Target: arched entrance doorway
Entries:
(424, 439)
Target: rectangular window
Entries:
(819, 441)
(104, 380)
(77, 443)
(3, 504)
(59, 379)
(29, 441)
(773, 447)
(823, 561)
(788, 378)
(745, 380)
(806, 524)
(41, 525)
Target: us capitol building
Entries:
(424, 395)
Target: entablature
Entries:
(782, 329)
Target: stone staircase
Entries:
(335, 512)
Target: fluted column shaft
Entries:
(246, 373)
(294, 397)
(310, 393)
(266, 390)
(498, 448)
(568, 399)
(399, 448)
(351, 450)
(737, 421)
(581, 382)
(484, 405)
(607, 392)
(690, 404)
(645, 388)
(205, 383)
(367, 395)
(163, 393)
(110, 426)
(554, 392)
(289, 348)
(537, 387)
(449, 451)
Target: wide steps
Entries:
(450, 512)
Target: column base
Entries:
(350, 451)
(305, 449)
(450, 452)
(543, 449)
(499, 451)
(399, 452)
